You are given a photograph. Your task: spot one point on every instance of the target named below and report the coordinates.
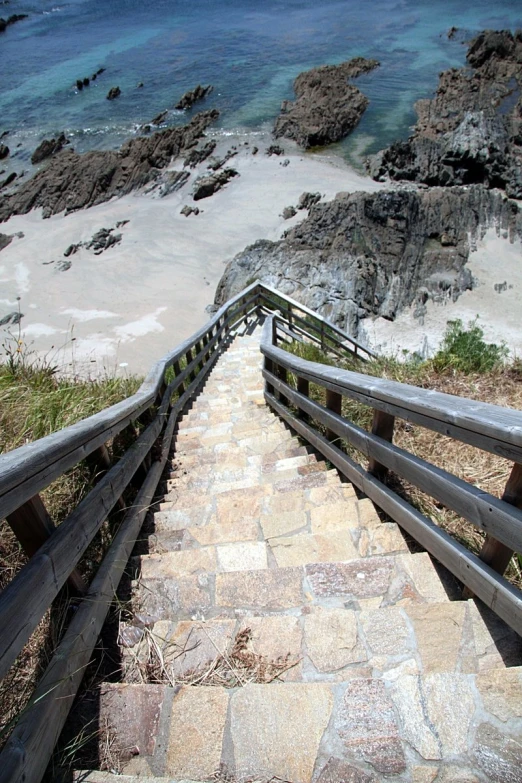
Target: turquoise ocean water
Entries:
(251, 50)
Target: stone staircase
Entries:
(282, 632)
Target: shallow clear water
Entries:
(251, 50)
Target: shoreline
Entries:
(122, 310)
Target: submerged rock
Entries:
(71, 181)
(113, 93)
(471, 131)
(328, 107)
(374, 254)
(197, 94)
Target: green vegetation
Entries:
(466, 351)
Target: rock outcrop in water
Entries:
(328, 107)
(71, 181)
(48, 147)
(471, 131)
(5, 23)
(192, 96)
(373, 254)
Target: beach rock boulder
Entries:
(5, 239)
(327, 106)
(172, 181)
(375, 254)
(4, 151)
(197, 156)
(471, 131)
(48, 147)
(197, 94)
(207, 186)
(73, 181)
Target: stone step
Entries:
(443, 726)
(327, 644)
(385, 579)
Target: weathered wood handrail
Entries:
(488, 427)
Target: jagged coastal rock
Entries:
(471, 131)
(373, 254)
(327, 106)
(5, 23)
(207, 186)
(48, 147)
(197, 94)
(71, 181)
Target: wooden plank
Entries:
(382, 425)
(494, 552)
(489, 586)
(99, 463)
(303, 387)
(32, 526)
(334, 403)
(27, 597)
(491, 514)
(486, 426)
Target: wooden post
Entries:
(382, 426)
(32, 526)
(269, 367)
(494, 553)
(99, 463)
(303, 387)
(334, 403)
(177, 370)
(322, 336)
(274, 332)
(283, 376)
(189, 356)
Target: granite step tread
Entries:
(361, 729)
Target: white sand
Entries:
(130, 305)
(495, 262)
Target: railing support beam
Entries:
(383, 425)
(494, 553)
(32, 526)
(334, 402)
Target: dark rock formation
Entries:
(72, 249)
(4, 151)
(197, 156)
(471, 132)
(71, 181)
(113, 93)
(8, 180)
(328, 107)
(366, 254)
(5, 239)
(13, 319)
(103, 240)
(48, 147)
(307, 200)
(218, 163)
(188, 211)
(172, 181)
(4, 23)
(207, 186)
(159, 118)
(197, 94)
(274, 149)
(289, 212)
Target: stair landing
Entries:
(282, 631)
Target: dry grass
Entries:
(502, 386)
(34, 402)
(230, 669)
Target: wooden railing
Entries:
(487, 427)
(55, 552)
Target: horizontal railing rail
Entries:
(487, 427)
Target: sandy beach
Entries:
(495, 299)
(123, 309)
